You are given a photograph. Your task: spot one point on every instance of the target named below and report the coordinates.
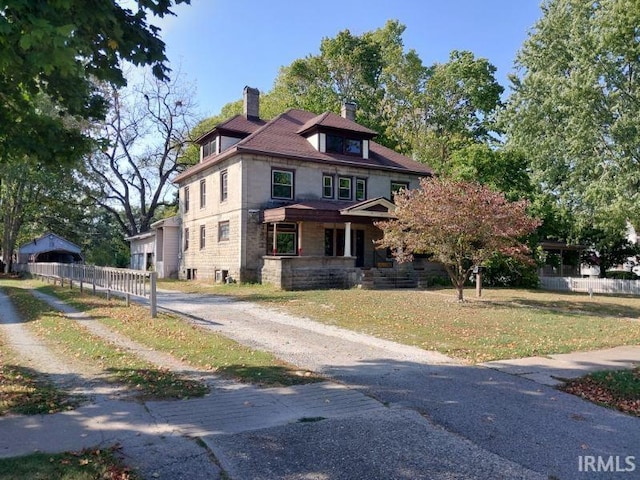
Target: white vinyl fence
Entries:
(591, 285)
(128, 282)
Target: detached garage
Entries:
(50, 248)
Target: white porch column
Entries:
(299, 238)
(347, 239)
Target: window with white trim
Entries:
(203, 236)
(210, 148)
(223, 231)
(344, 188)
(224, 185)
(327, 186)
(203, 193)
(286, 239)
(361, 188)
(397, 186)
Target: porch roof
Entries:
(327, 211)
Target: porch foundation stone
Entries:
(311, 272)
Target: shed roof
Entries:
(49, 242)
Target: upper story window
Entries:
(361, 188)
(223, 231)
(344, 188)
(327, 186)
(186, 239)
(203, 193)
(186, 199)
(346, 146)
(397, 186)
(224, 185)
(282, 184)
(210, 148)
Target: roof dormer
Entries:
(338, 135)
(226, 134)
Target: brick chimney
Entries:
(251, 97)
(348, 111)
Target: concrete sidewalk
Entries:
(555, 369)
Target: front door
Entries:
(359, 248)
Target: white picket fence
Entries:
(122, 280)
(591, 285)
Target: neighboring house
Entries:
(158, 249)
(50, 248)
(291, 201)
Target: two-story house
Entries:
(290, 201)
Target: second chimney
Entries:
(251, 99)
(348, 111)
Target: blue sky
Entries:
(223, 45)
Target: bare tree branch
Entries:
(146, 132)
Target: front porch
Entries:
(322, 244)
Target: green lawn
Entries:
(504, 323)
(89, 464)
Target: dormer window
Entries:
(353, 147)
(210, 147)
(343, 145)
(335, 144)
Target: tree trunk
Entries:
(457, 280)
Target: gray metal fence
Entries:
(591, 285)
(121, 280)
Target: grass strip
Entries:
(190, 343)
(88, 464)
(69, 338)
(24, 391)
(618, 389)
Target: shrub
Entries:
(502, 271)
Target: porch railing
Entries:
(122, 280)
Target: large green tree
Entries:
(427, 111)
(36, 196)
(58, 48)
(348, 68)
(456, 109)
(575, 107)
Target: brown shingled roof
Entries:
(238, 124)
(281, 137)
(331, 120)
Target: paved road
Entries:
(525, 422)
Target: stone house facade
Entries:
(291, 201)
